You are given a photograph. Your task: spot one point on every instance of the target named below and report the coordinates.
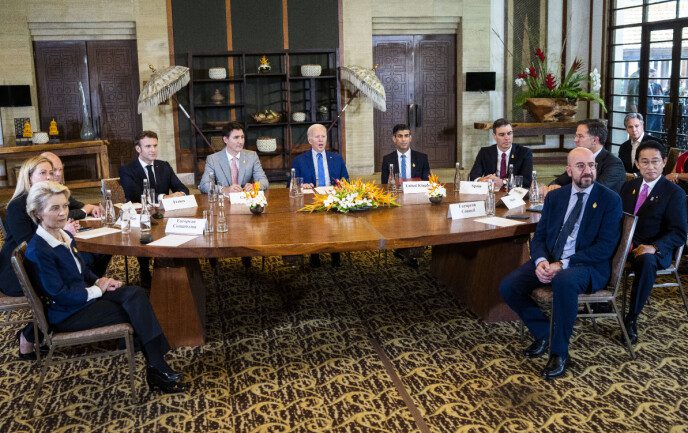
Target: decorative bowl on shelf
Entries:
(40, 137)
(267, 116)
(217, 124)
(266, 144)
(311, 70)
(217, 97)
(298, 116)
(217, 73)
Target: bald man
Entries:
(77, 209)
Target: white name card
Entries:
(467, 209)
(512, 201)
(415, 186)
(185, 226)
(473, 187)
(176, 203)
(519, 192)
(238, 197)
(324, 190)
(134, 221)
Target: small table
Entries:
(97, 148)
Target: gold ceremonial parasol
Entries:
(360, 80)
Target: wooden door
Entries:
(419, 76)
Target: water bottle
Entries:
(145, 216)
(146, 187)
(534, 193)
(490, 199)
(510, 178)
(391, 181)
(293, 185)
(221, 226)
(212, 194)
(125, 221)
(109, 209)
(457, 177)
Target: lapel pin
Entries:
(594, 205)
(413, 165)
(513, 156)
(633, 192)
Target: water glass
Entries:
(209, 217)
(299, 186)
(125, 221)
(518, 182)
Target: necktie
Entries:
(641, 199)
(403, 167)
(235, 172)
(502, 166)
(151, 177)
(567, 228)
(321, 170)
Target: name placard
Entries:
(176, 203)
(134, 221)
(324, 190)
(473, 187)
(185, 226)
(238, 197)
(415, 186)
(519, 192)
(467, 209)
(512, 201)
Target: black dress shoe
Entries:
(631, 324)
(246, 261)
(336, 260)
(31, 356)
(168, 383)
(556, 366)
(536, 348)
(314, 260)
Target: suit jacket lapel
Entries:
(224, 166)
(493, 154)
(414, 164)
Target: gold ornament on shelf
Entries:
(264, 66)
(52, 130)
(27, 130)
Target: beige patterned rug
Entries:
(369, 347)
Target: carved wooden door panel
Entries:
(419, 75)
(114, 78)
(59, 68)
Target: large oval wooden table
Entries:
(469, 257)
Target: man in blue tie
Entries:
(661, 209)
(408, 163)
(320, 168)
(571, 251)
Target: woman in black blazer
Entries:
(76, 299)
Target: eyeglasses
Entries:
(648, 162)
(581, 136)
(581, 166)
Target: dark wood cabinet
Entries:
(245, 92)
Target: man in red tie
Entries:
(662, 223)
(493, 161)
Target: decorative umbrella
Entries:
(162, 86)
(362, 80)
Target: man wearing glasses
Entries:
(592, 135)
(662, 219)
(571, 251)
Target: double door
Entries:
(419, 76)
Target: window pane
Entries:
(626, 53)
(683, 8)
(623, 69)
(627, 3)
(619, 135)
(661, 11)
(627, 35)
(617, 119)
(662, 35)
(619, 103)
(628, 16)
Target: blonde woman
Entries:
(77, 298)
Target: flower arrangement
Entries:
(537, 81)
(436, 189)
(351, 196)
(254, 199)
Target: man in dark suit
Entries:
(160, 176)
(635, 127)
(320, 168)
(407, 163)
(493, 161)
(592, 134)
(571, 250)
(662, 223)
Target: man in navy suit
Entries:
(592, 135)
(493, 161)
(571, 250)
(320, 168)
(635, 127)
(160, 177)
(408, 163)
(661, 209)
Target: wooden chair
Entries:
(57, 340)
(672, 157)
(112, 184)
(671, 270)
(543, 295)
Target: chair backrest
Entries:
(34, 301)
(619, 260)
(672, 157)
(677, 255)
(112, 183)
(2, 227)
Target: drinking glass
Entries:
(518, 181)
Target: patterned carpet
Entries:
(369, 347)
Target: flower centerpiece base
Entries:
(552, 109)
(436, 200)
(257, 210)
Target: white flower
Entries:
(520, 82)
(595, 81)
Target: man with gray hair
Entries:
(635, 127)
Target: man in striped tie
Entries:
(661, 209)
